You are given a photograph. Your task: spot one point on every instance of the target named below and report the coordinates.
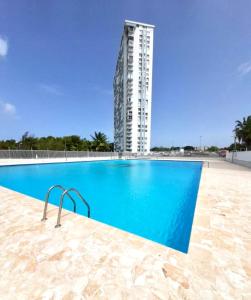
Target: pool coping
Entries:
(156, 270)
(22, 162)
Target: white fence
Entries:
(31, 154)
(49, 154)
(240, 157)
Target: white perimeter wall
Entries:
(241, 157)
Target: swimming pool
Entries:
(153, 199)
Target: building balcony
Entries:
(130, 43)
(130, 33)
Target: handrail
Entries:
(47, 199)
(61, 204)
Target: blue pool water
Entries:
(153, 199)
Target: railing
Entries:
(66, 192)
(63, 194)
(51, 154)
(56, 186)
(43, 154)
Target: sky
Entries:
(57, 62)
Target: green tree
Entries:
(72, 142)
(242, 132)
(175, 148)
(189, 148)
(8, 144)
(235, 146)
(213, 149)
(111, 147)
(100, 142)
(160, 149)
(27, 142)
(86, 145)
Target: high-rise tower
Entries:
(133, 89)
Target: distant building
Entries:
(133, 89)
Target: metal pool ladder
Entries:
(64, 193)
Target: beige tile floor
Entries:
(85, 259)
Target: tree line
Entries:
(97, 142)
(100, 142)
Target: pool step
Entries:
(64, 193)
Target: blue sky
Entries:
(57, 61)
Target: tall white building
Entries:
(133, 89)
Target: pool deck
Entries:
(85, 259)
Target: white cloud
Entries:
(51, 89)
(3, 47)
(7, 109)
(244, 68)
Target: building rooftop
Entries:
(128, 22)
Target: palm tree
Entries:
(100, 142)
(243, 132)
